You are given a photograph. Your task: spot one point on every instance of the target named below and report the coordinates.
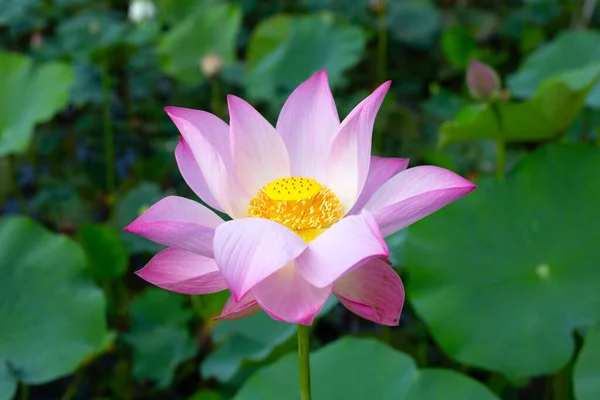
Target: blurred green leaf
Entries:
(173, 11)
(569, 51)
(206, 395)
(353, 368)
(587, 368)
(515, 263)
(159, 335)
(531, 38)
(52, 314)
(29, 95)
(285, 50)
(210, 305)
(106, 255)
(414, 22)
(211, 30)
(443, 104)
(248, 339)
(128, 208)
(547, 115)
(87, 87)
(13, 11)
(355, 10)
(458, 45)
(396, 244)
(8, 384)
(88, 32)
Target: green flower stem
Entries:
(561, 384)
(24, 392)
(500, 146)
(303, 361)
(109, 151)
(216, 105)
(500, 143)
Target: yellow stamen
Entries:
(301, 204)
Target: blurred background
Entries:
(502, 286)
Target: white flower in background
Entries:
(141, 11)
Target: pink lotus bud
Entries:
(36, 40)
(211, 64)
(483, 81)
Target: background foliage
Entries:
(502, 286)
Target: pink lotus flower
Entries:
(309, 205)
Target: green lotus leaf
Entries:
(354, 369)
(52, 313)
(503, 276)
(30, 94)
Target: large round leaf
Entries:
(587, 368)
(503, 276)
(28, 95)
(352, 369)
(285, 50)
(52, 315)
(570, 50)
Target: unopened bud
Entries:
(211, 64)
(141, 11)
(483, 81)
(36, 40)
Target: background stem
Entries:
(381, 60)
(24, 392)
(500, 143)
(109, 151)
(381, 41)
(303, 361)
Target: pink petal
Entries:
(287, 297)
(192, 174)
(260, 155)
(414, 194)
(344, 246)
(308, 122)
(373, 291)
(183, 272)
(208, 139)
(178, 222)
(380, 170)
(349, 158)
(236, 310)
(248, 250)
(193, 123)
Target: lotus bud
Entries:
(483, 81)
(211, 64)
(36, 40)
